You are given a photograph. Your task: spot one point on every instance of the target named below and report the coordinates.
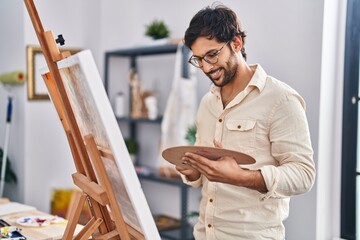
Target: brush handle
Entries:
(4, 160)
(7, 135)
(9, 110)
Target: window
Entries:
(350, 180)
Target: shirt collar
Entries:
(259, 78)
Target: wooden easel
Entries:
(107, 221)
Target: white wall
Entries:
(12, 58)
(285, 37)
(48, 163)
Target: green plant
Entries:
(10, 176)
(132, 145)
(192, 214)
(191, 134)
(157, 29)
(192, 217)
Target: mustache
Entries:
(211, 72)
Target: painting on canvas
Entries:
(94, 115)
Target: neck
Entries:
(240, 81)
(226, 98)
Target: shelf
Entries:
(134, 52)
(152, 175)
(175, 234)
(143, 50)
(184, 232)
(139, 120)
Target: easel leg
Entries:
(79, 200)
(89, 229)
(99, 211)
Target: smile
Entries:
(215, 74)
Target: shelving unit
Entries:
(185, 230)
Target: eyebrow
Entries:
(206, 53)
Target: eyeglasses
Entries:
(211, 57)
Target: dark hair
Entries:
(218, 22)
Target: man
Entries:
(248, 111)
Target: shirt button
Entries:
(211, 200)
(220, 120)
(209, 225)
(239, 126)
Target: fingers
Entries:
(197, 162)
(181, 169)
(192, 158)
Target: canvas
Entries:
(94, 115)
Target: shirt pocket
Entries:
(241, 133)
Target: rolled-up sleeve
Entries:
(195, 184)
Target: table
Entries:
(50, 232)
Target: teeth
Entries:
(216, 73)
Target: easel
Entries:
(107, 221)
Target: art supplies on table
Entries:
(39, 221)
(10, 232)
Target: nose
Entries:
(206, 67)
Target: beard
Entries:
(229, 72)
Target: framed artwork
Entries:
(35, 60)
(94, 116)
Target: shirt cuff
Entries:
(195, 184)
(271, 178)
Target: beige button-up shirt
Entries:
(267, 121)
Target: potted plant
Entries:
(157, 29)
(191, 134)
(132, 147)
(192, 217)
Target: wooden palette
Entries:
(174, 154)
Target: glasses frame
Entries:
(216, 54)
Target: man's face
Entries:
(223, 71)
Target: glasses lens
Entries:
(195, 61)
(212, 57)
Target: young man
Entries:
(248, 111)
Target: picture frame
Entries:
(35, 60)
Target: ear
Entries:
(237, 43)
